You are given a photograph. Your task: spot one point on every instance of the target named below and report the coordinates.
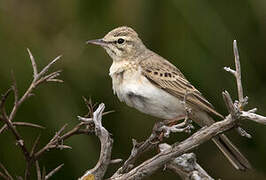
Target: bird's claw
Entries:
(184, 126)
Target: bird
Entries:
(148, 82)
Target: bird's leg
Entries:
(173, 125)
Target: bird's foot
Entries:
(185, 126)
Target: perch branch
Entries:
(140, 148)
(149, 166)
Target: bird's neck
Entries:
(124, 64)
(119, 67)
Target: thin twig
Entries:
(34, 65)
(14, 88)
(26, 124)
(50, 174)
(238, 75)
(243, 133)
(43, 173)
(6, 171)
(4, 176)
(35, 145)
(55, 141)
(2, 104)
(8, 119)
(19, 140)
(254, 117)
(46, 68)
(140, 148)
(38, 170)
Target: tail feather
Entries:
(235, 157)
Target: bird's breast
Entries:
(137, 91)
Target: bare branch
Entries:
(38, 170)
(228, 69)
(34, 66)
(230, 105)
(7, 119)
(243, 133)
(106, 146)
(26, 124)
(58, 139)
(19, 140)
(50, 174)
(19, 178)
(140, 148)
(149, 166)
(49, 78)
(116, 161)
(254, 117)
(186, 166)
(6, 172)
(43, 173)
(35, 145)
(14, 88)
(3, 176)
(238, 75)
(2, 104)
(34, 83)
(46, 68)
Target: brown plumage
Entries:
(148, 82)
(166, 76)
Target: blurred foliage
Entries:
(196, 36)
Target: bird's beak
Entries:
(99, 42)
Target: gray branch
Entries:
(186, 166)
(99, 170)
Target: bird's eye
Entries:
(120, 41)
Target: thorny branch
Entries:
(38, 78)
(32, 155)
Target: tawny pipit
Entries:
(148, 82)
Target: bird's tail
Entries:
(236, 158)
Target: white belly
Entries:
(137, 91)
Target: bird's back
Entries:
(166, 76)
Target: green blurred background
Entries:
(196, 36)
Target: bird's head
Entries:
(121, 43)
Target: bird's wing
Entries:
(166, 76)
